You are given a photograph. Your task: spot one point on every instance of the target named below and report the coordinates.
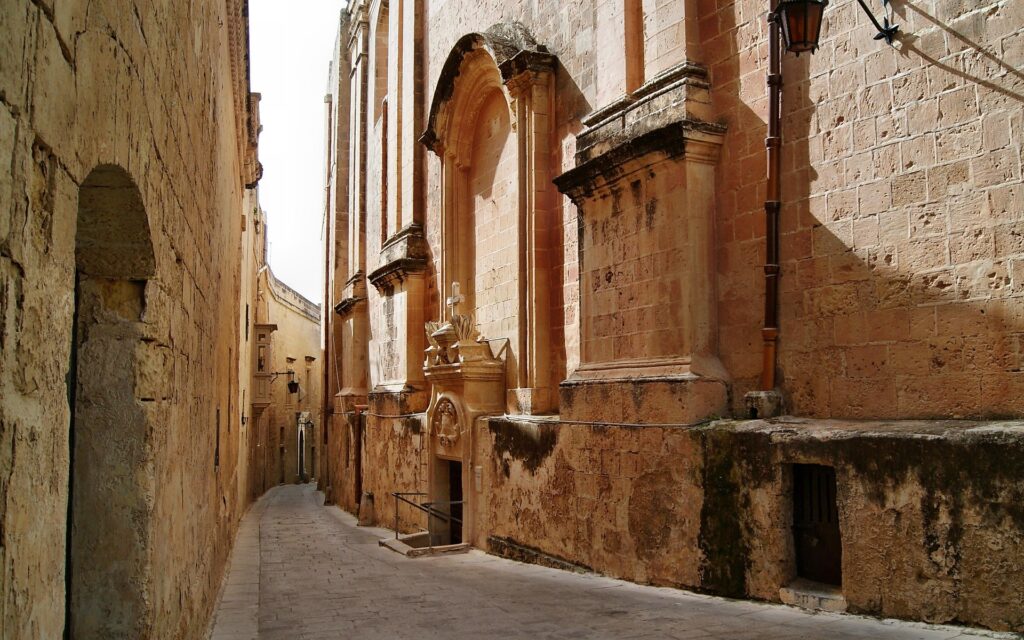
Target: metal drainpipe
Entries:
(773, 144)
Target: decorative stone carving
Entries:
(455, 341)
(503, 60)
(445, 423)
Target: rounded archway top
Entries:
(513, 50)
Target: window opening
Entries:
(633, 11)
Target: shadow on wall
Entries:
(902, 242)
(570, 106)
(912, 45)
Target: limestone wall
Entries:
(157, 91)
(296, 347)
(927, 511)
(901, 192)
(901, 255)
(253, 256)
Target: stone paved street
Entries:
(301, 571)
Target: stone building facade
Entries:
(592, 174)
(286, 400)
(130, 246)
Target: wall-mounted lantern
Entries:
(800, 21)
(293, 384)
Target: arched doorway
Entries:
(110, 493)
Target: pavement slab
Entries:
(300, 571)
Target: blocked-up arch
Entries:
(497, 87)
(111, 488)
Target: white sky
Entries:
(291, 44)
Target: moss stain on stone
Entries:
(530, 444)
(734, 463)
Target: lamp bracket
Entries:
(886, 31)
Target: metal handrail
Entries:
(447, 517)
(427, 508)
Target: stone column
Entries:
(352, 307)
(531, 93)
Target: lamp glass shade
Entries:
(801, 24)
(293, 387)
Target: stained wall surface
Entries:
(159, 91)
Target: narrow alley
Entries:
(300, 571)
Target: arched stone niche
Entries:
(111, 475)
(490, 123)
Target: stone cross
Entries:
(455, 298)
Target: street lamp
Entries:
(293, 384)
(801, 23)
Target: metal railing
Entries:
(429, 509)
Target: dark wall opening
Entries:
(816, 537)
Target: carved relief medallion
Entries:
(445, 423)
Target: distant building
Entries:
(286, 378)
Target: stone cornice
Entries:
(673, 140)
(402, 256)
(353, 294)
(292, 298)
(347, 305)
(665, 118)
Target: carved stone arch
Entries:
(479, 82)
(512, 50)
(504, 59)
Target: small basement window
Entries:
(818, 545)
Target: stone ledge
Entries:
(403, 256)
(671, 140)
(346, 305)
(678, 95)
(791, 427)
(682, 399)
(668, 116)
(353, 293)
(411, 546)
